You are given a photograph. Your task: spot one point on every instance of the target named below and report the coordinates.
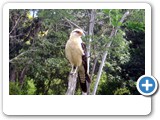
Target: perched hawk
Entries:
(76, 53)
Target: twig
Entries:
(15, 25)
(20, 55)
(16, 36)
(70, 22)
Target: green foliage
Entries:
(14, 88)
(27, 89)
(122, 91)
(108, 84)
(38, 64)
(135, 26)
(31, 89)
(114, 16)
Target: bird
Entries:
(76, 53)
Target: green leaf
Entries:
(119, 23)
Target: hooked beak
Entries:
(83, 34)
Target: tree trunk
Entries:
(22, 76)
(72, 81)
(90, 33)
(113, 33)
(92, 15)
(94, 66)
(92, 73)
(13, 75)
(100, 69)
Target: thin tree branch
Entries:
(113, 33)
(16, 36)
(17, 22)
(15, 25)
(20, 55)
(94, 66)
(72, 23)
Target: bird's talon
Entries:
(71, 73)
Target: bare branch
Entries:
(94, 66)
(20, 55)
(17, 22)
(15, 25)
(72, 23)
(16, 36)
(113, 33)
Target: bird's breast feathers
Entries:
(74, 45)
(74, 51)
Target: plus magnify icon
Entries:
(147, 85)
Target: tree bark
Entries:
(92, 16)
(100, 69)
(92, 73)
(94, 66)
(90, 33)
(13, 75)
(72, 81)
(113, 33)
(22, 76)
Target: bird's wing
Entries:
(82, 72)
(84, 57)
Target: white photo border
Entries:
(74, 104)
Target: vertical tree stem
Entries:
(113, 33)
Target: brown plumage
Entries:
(82, 70)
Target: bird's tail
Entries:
(83, 78)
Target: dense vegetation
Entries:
(37, 38)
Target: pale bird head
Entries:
(77, 33)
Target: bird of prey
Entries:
(76, 53)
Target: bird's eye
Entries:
(78, 32)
